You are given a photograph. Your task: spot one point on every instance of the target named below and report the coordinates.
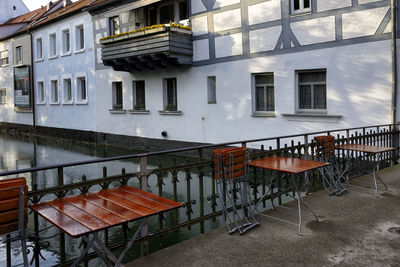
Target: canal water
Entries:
(22, 153)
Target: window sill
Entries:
(300, 13)
(41, 103)
(66, 54)
(264, 114)
(212, 102)
(39, 59)
(114, 111)
(134, 111)
(54, 103)
(79, 51)
(312, 117)
(23, 110)
(167, 112)
(3, 66)
(82, 102)
(53, 57)
(3, 103)
(68, 103)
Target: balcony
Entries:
(153, 47)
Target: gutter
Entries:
(33, 82)
(394, 61)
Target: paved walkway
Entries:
(354, 232)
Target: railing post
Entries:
(60, 179)
(145, 229)
(201, 190)
(306, 146)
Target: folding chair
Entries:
(331, 174)
(233, 188)
(14, 212)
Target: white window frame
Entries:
(254, 94)
(51, 79)
(1, 58)
(37, 51)
(21, 60)
(297, 94)
(301, 9)
(78, 77)
(134, 98)
(1, 100)
(78, 38)
(211, 90)
(65, 100)
(41, 94)
(51, 56)
(114, 94)
(65, 52)
(165, 94)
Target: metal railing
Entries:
(198, 192)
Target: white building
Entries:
(246, 69)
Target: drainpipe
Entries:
(394, 61)
(33, 83)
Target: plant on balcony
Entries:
(171, 107)
(139, 107)
(117, 107)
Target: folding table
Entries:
(373, 155)
(85, 215)
(291, 166)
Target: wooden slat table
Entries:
(370, 151)
(293, 166)
(79, 216)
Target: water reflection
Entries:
(31, 152)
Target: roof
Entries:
(31, 16)
(42, 16)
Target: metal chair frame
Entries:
(20, 233)
(233, 189)
(333, 174)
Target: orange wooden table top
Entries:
(364, 148)
(287, 164)
(84, 214)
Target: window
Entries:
(18, 54)
(311, 90)
(80, 37)
(167, 13)
(67, 85)
(3, 58)
(174, 11)
(3, 98)
(170, 95)
(183, 10)
(40, 92)
(114, 25)
(54, 91)
(117, 99)
(211, 90)
(264, 92)
(299, 6)
(66, 42)
(81, 87)
(139, 95)
(53, 45)
(39, 48)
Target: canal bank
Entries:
(357, 229)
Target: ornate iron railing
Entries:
(191, 181)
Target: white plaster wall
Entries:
(200, 25)
(227, 20)
(75, 115)
(314, 31)
(228, 45)
(7, 111)
(323, 5)
(358, 84)
(197, 6)
(7, 11)
(222, 3)
(362, 23)
(264, 39)
(264, 12)
(201, 50)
